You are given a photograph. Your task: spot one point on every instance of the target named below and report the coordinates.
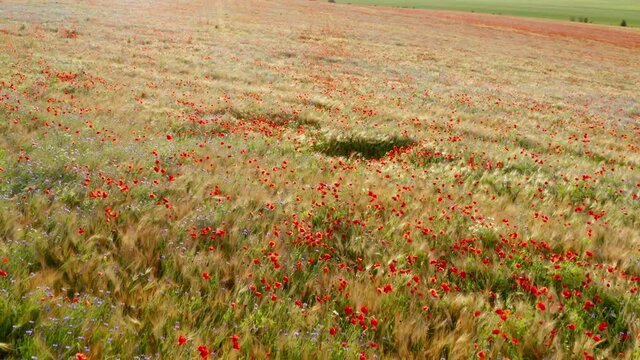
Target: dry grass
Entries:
(438, 176)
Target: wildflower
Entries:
(235, 339)
(374, 322)
(588, 305)
(348, 310)
(204, 351)
(434, 293)
(182, 340)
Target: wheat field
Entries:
(306, 180)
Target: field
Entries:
(304, 180)
(596, 11)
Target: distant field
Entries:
(602, 12)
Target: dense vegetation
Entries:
(307, 180)
(593, 11)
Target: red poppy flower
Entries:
(374, 322)
(204, 351)
(235, 339)
(588, 305)
(182, 340)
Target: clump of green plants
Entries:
(581, 19)
(365, 146)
